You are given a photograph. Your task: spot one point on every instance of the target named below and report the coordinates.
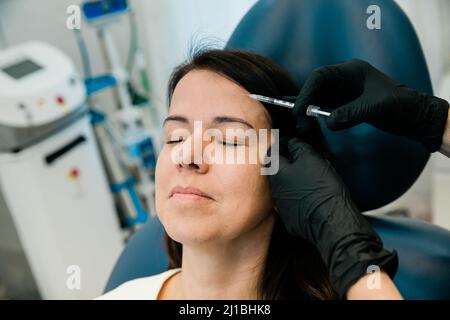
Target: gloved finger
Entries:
(349, 115)
(284, 162)
(308, 93)
(321, 88)
(319, 80)
(278, 180)
(332, 86)
(283, 146)
(297, 148)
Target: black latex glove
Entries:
(362, 93)
(314, 203)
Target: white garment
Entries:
(140, 289)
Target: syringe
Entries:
(313, 111)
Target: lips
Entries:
(189, 190)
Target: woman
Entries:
(224, 236)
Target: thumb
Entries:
(348, 115)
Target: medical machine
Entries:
(59, 231)
(128, 136)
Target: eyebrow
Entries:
(216, 120)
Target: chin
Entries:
(190, 229)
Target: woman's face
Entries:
(239, 196)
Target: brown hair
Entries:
(293, 268)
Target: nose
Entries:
(190, 155)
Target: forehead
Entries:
(203, 95)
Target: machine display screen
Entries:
(21, 69)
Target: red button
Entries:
(74, 173)
(60, 100)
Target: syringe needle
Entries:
(313, 111)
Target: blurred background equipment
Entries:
(125, 135)
(56, 211)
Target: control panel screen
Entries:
(21, 69)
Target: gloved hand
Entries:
(314, 203)
(362, 93)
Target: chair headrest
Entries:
(301, 35)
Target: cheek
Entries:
(246, 192)
(245, 182)
(162, 164)
(163, 172)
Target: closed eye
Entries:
(225, 143)
(174, 141)
(231, 143)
